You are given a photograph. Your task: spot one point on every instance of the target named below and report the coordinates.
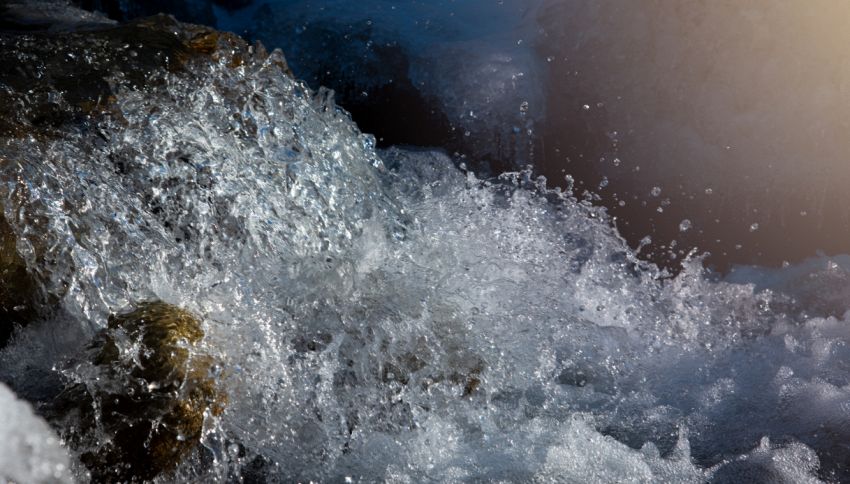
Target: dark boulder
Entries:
(156, 389)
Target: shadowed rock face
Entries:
(157, 388)
(30, 287)
(67, 80)
(17, 287)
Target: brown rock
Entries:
(160, 388)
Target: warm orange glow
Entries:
(749, 101)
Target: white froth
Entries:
(29, 450)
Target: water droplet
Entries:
(233, 450)
(656, 191)
(684, 225)
(754, 227)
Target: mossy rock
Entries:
(158, 390)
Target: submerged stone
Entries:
(157, 389)
(16, 286)
(34, 270)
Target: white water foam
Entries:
(29, 450)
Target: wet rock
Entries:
(30, 16)
(465, 373)
(17, 286)
(572, 376)
(34, 271)
(311, 343)
(58, 82)
(466, 96)
(63, 68)
(155, 391)
(186, 11)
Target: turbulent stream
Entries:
(386, 315)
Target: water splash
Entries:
(388, 316)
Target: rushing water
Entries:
(730, 116)
(387, 315)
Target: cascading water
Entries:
(380, 315)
